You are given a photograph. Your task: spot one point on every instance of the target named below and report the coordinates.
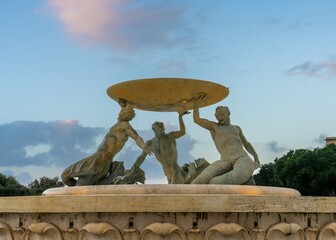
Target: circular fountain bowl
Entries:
(173, 189)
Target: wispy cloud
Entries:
(320, 139)
(274, 146)
(126, 24)
(311, 69)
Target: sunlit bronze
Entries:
(167, 94)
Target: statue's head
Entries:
(222, 114)
(126, 113)
(158, 127)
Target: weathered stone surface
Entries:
(168, 212)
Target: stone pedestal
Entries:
(168, 212)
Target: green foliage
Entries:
(311, 172)
(38, 186)
(9, 186)
(265, 177)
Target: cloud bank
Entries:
(57, 143)
(61, 143)
(127, 25)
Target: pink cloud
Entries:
(124, 24)
(88, 21)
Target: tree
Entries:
(265, 176)
(311, 172)
(9, 186)
(38, 186)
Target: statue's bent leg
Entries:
(89, 171)
(66, 177)
(214, 169)
(85, 180)
(242, 170)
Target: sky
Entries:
(58, 57)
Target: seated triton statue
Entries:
(94, 169)
(235, 166)
(163, 146)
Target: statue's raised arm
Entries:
(205, 123)
(182, 131)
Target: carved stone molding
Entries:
(43, 230)
(311, 233)
(195, 234)
(18, 233)
(257, 234)
(162, 230)
(328, 232)
(70, 234)
(5, 231)
(164, 226)
(290, 231)
(130, 233)
(221, 230)
(101, 230)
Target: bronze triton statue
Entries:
(167, 95)
(235, 166)
(95, 168)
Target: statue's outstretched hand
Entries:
(148, 150)
(198, 98)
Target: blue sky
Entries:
(58, 57)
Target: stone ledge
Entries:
(183, 203)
